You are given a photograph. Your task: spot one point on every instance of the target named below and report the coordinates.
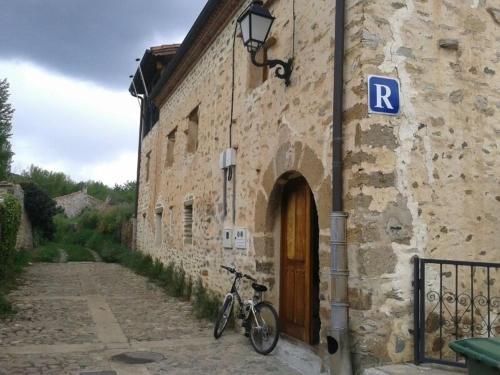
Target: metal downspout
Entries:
(338, 341)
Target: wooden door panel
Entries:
(289, 298)
(296, 283)
(299, 305)
(300, 228)
(290, 229)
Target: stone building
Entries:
(25, 232)
(73, 204)
(421, 183)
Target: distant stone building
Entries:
(25, 233)
(73, 204)
(424, 182)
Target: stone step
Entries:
(410, 369)
(300, 356)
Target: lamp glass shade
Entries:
(255, 24)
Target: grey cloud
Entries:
(94, 40)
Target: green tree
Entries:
(6, 113)
(54, 184)
(97, 189)
(41, 210)
(124, 193)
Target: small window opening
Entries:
(169, 161)
(193, 121)
(188, 222)
(159, 217)
(148, 162)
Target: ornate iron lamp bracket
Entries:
(284, 70)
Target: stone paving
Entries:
(74, 317)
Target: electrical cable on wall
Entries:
(232, 87)
(293, 30)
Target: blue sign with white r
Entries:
(383, 95)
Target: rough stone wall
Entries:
(276, 130)
(127, 233)
(73, 204)
(25, 234)
(423, 183)
(426, 182)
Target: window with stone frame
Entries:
(192, 131)
(169, 160)
(158, 226)
(170, 221)
(188, 222)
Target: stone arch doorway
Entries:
(299, 263)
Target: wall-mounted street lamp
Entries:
(255, 24)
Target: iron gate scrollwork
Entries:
(453, 300)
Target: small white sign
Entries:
(227, 238)
(240, 238)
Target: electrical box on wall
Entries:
(240, 238)
(227, 238)
(227, 158)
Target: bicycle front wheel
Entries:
(223, 316)
(264, 331)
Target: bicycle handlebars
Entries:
(239, 274)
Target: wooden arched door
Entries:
(297, 293)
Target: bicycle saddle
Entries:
(259, 287)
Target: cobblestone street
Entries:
(72, 318)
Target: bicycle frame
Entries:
(263, 333)
(242, 313)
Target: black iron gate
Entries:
(453, 300)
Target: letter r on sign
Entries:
(383, 95)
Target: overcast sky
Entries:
(68, 62)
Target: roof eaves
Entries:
(202, 22)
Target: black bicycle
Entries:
(260, 319)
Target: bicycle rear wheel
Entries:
(223, 316)
(264, 335)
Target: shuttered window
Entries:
(188, 222)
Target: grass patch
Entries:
(11, 280)
(77, 253)
(48, 253)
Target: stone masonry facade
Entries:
(422, 183)
(75, 203)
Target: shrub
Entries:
(10, 219)
(62, 225)
(78, 253)
(5, 307)
(48, 253)
(206, 303)
(89, 219)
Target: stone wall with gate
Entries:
(425, 182)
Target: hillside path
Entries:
(73, 317)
